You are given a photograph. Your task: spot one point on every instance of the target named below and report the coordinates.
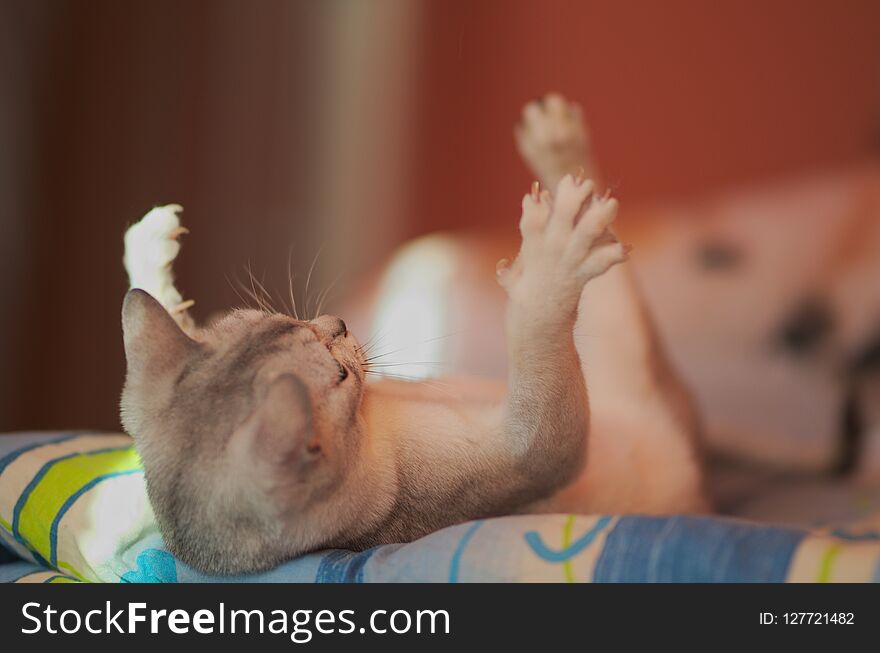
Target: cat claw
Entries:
(182, 306)
(506, 271)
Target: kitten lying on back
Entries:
(261, 440)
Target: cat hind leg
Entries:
(553, 140)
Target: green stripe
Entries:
(827, 562)
(61, 481)
(566, 542)
(63, 566)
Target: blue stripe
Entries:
(695, 549)
(53, 531)
(9, 458)
(34, 556)
(534, 540)
(51, 578)
(342, 566)
(14, 571)
(330, 563)
(30, 573)
(40, 560)
(856, 537)
(19, 505)
(455, 564)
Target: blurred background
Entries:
(350, 126)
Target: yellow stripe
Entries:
(62, 579)
(62, 480)
(63, 566)
(827, 562)
(566, 542)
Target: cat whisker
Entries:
(309, 280)
(415, 344)
(261, 302)
(266, 294)
(290, 283)
(374, 365)
(258, 305)
(264, 298)
(326, 292)
(250, 295)
(372, 343)
(441, 387)
(287, 309)
(244, 301)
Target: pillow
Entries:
(72, 502)
(74, 507)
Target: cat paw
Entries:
(151, 245)
(566, 241)
(553, 140)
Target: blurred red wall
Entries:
(683, 97)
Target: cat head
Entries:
(248, 434)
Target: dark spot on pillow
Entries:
(719, 256)
(851, 429)
(867, 358)
(806, 328)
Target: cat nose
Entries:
(331, 326)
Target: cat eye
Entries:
(343, 373)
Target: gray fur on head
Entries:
(246, 430)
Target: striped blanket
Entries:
(73, 508)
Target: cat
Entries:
(261, 438)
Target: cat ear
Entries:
(280, 430)
(153, 340)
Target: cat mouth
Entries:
(349, 356)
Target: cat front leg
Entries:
(565, 243)
(473, 455)
(151, 246)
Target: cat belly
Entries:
(632, 467)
